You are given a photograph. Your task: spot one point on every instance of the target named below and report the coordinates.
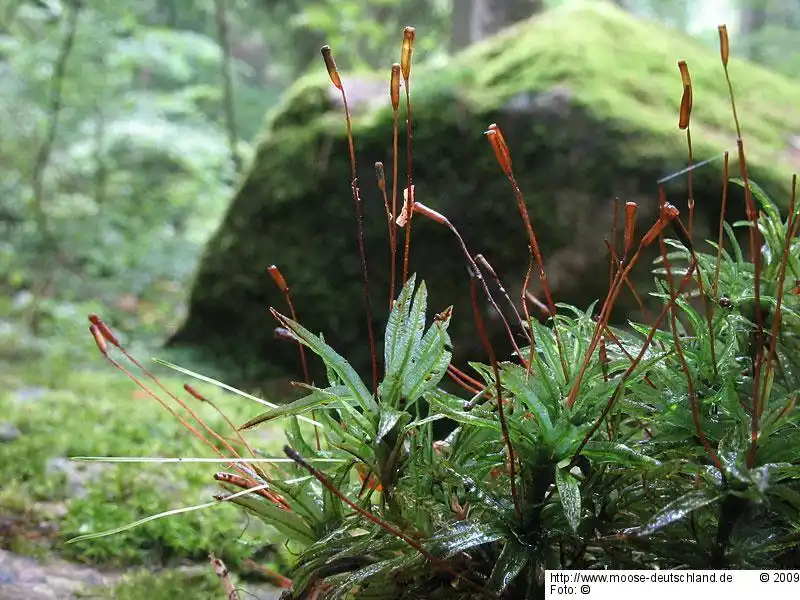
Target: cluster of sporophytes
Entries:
(672, 443)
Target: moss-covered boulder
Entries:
(588, 100)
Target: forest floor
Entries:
(59, 399)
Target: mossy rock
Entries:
(587, 97)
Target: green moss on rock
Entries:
(588, 99)
(61, 411)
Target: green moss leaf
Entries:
(403, 335)
(316, 399)
(767, 205)
(524, 388)
(335, 361)
(429, 362)
(569, 491)
(285, 522)
(510, 563)
(463, 536)
(389, 418)
(676, 510)
(614, 452)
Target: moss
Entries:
(588, 100)
(196, 582)
(67, 411)
(164, 585)
(624, 68)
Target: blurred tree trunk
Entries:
(227, 84)
(474, 20)
(752, 20)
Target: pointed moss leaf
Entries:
(787, 542)
(788, 495)
(463, 536)
(732, 448)
(302, 497)
(394, 325)
(335, 361)
(168, 513)
(429, 362)
(368, 541)
(404, 334)
(510, 563)
(485, 371)
(780, 471)
(514, 379)
(409, 331)
(569, 491)
(344, 584)
(481, 495)
(566, 438)
(547, 348)
(676, 510)
(767, 205)
(316, 399)
(390, 417)
(333, 507)
(421, 422)
(443, 401)
(333, 378)
(416, 316)
(614, 452)
(734, 242)
(221, 385)
(285, 522)
(295, 437)
(337, 556)
(355, 420)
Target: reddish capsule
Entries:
(104, 329)
(500, 148)
(380, 175)
(724, 48)
(686, 100)
(668, 212)
(430, 213)
(98, 339)
(277, 277)
(330, 65)
(394, 86)
(193, 392)
(409, 33)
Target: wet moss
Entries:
(588, 100)
(45, 499)
(164, 585)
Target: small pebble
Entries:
(8, 433)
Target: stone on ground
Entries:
(588, 99)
